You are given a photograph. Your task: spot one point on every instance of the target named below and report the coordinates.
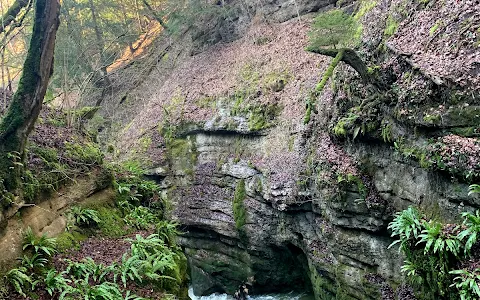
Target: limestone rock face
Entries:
(297, 237)
(306, 206)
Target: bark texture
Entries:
(25, 108)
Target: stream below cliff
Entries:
(284, 296)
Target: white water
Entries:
(288, 296)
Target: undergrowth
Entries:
(440, 258)
(155, 260)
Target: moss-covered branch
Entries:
(351, 58)
(20, 117)
(321, 85)
(12, 13)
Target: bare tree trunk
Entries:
(101, 48)
(26, 104)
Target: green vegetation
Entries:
(436, 156)
(83, 217)
(333, 28)
(239, 210)
(434, 251)
(149, 261)
(435, 27)
(390, 27)
(365, 7)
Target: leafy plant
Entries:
(141, 218)
(168, 231)
(55, 282)
(20, 280)
(472, 227)
(433, 235)
(407, 224)
(83, 216)
(474, 189)
(88, 268)
(142, 247)
(42, 245)
(129, 269)
(467, 283)
(33, 262)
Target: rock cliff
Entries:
(219, 121)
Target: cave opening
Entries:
(287, 272)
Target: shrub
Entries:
(83, 217)
(333, 29)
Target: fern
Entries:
(129, 269)
(467, 284)
(474, 189)
(168, 231)
(470, 233)
(141, 218)
(34, 262)
(84, 217)
(20, 280)
(433, 235)
(41, 245)
(406, 225)
(55, 282)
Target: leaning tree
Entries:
(19, 119)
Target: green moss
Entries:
(320, 86)
(239, 211)
(19, 111)
(466, 131)
(365, 7)
(87, 153)
(432, 119)
(183, 155)
(206, 102)
(391, 27)
(356, 181)
(345, 124)
(69, 241)
(435, 27)
(111, 222)
(465, 115)
(261, 116)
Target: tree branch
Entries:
(12, 14)
(351, 58)
(162, 23)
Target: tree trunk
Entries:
(101, 48)
(26, 104)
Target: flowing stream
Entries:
(285, 296)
